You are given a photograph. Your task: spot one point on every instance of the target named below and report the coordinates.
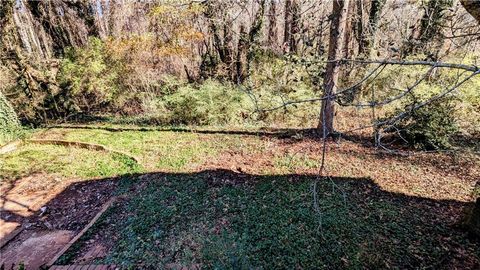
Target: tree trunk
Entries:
(70, 29)
(272, 27)
(242, 50)
(430, 30)
(473, 218)
(294, 26)
(8, 33)
(287, 24)
(337, 27)
(351, 20)
(359, 28)
(227, 48)
(367, 40)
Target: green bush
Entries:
(430, 127)
(9, 124)
(90, 76)
(210, 103)
(220, 103)
(31, 89)
(274, 81)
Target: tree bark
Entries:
(228, 50)
(287, 24)
(242, 50)
(8, 33)
(294, 26)
(473, 218)
(430, 30)
(272, 27)
(351, 20)
(367, 40)
(337, 27)
(73, 28)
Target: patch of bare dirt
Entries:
(442, 176)
(36, 250)
(61, 212)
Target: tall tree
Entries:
(431, 23)
(247, 43)
(222, 43)
(367, 36)
(291, 25)
(7, 28)
(294, 26)
(242, 51)
(330, 79)
(351, 20)
(473, 219)
(69, 23)
(429, 29)
(286, 25)
(272, 26)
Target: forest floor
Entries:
(239, 199)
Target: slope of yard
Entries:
(226, 200)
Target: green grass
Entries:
(157, 150)
(63, 161)
(268, 222)
(290, 163)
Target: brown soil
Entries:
(50, 219)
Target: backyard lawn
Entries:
(242, 200)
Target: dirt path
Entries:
(35, 248)
(44, 219)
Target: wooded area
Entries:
(398, 77)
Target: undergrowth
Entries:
(10, 128)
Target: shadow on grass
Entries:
(228, 220)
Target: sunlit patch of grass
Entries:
(157, 150)
(164, 150)
(63, 161)
(171, 151)
(246, 145)
(290, 163)
(175, 157)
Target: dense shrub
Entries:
(432, 126)
(85, 80)
(97, 81)
(274, 81)
(91, 78)
(9, 124)
(31, 89)
(209, 103)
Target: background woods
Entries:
(272, 62)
